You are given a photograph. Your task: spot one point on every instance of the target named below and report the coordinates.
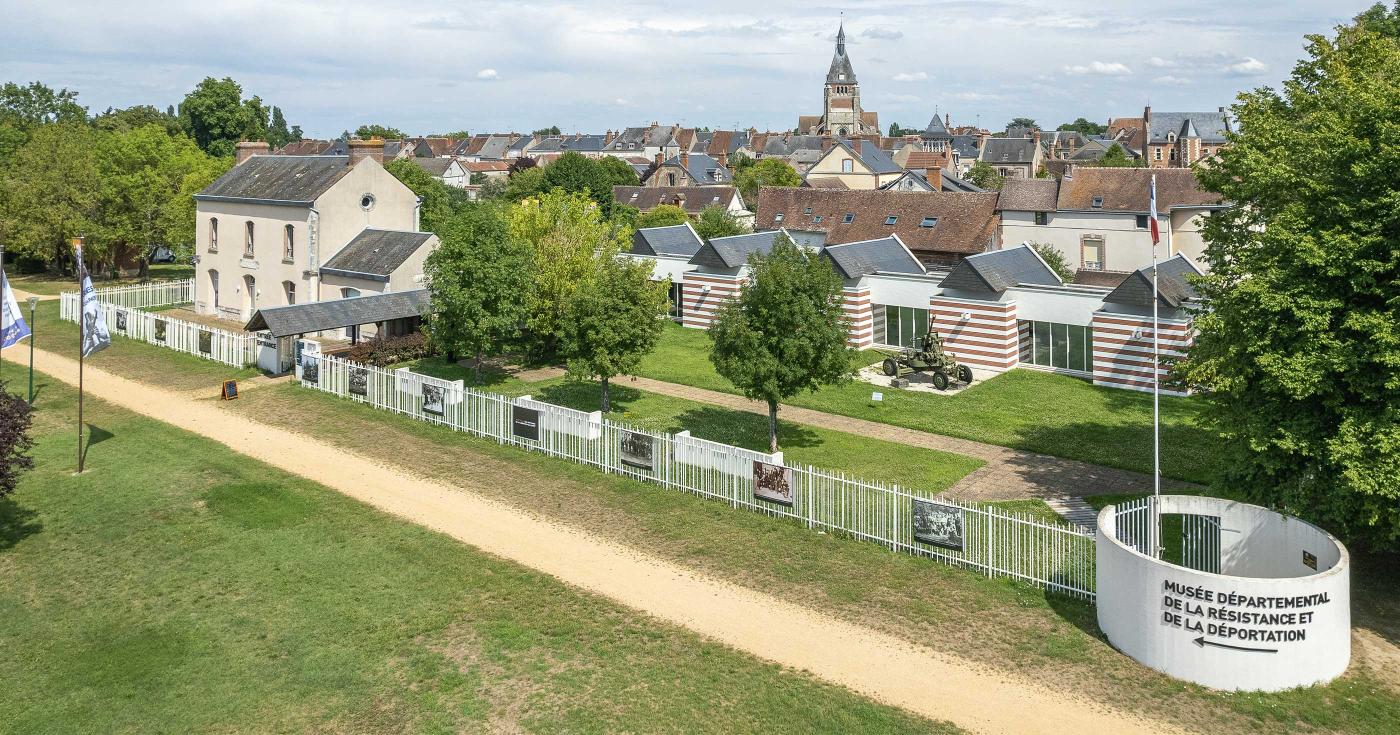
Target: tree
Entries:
(786, 332)
(768, 172)
(551, 130)
(525, 183)
(578, 174)
(278, 134)
(1116, 157)
(982, 175)
(1055, 259)
(26, 108)
(125, 120)
(440, 201)
(522, 163)
(1022, 122)
(663, 215)
(1084, 127)
(478, 280)
(717, 221)
(567, 234)
(896, 131)
(737, 162)
(365, 132)
(50, 192)
(217, 117)
(1299, 341)
(15, 443)
(615, 323)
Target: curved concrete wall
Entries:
(1271, 622)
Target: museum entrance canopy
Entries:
(287, 321)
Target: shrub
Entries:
(391, 351)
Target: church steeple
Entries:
(841, 39)
(840, 72)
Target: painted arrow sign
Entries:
(1202, 642)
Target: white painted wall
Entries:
(1126, 247)
(902, 290)
(1068, 305)
(1139, 614)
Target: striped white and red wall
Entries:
(860, 329)
(702, 294)
(1123, 350)
(983, 334)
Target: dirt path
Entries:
(21, 296)
(1009, 474)
(877, 665)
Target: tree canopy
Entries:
(440, 201)
(1022, 122)
(217, 117)
(767, 172)
(663, 215)
(1117, 157)
(1085, 127)
(785, 333)
(611, 326)
(15, 442)
(1299, 343)
(717, 221)
(984, 176)
(365, 132)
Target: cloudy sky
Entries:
(431, 66)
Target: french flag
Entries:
(1152, 209)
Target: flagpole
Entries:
(78, 246)
(1156, 382)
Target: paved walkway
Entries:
(1009, 474)
(875, 664)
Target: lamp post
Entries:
(33, 304)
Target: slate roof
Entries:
(305, 147)
(966, 222)
(674, 240)
(1028, 195)
(966, 145)
(1211, 127)
(435, 166)
(285, 179)
(734, 251)
(1127, 190)
(583, 143)
(693, 199)
(699, 166)
(950, 182)
(936, 130)
(877, 160)
(285, 321)
(1008, 150)
(1173, 289)
(374, 254)
(999, 270)
(840, 71)
(866, 257)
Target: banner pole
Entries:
(78, 245)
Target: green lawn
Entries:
(49, 284)
(177, 587)
(1024, 409)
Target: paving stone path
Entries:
(1009, 474)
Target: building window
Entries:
(248, 239)
(849, 218)
(670, 179)
(928, 222)
(777, 218)
(290, 289)
(847, 166)
(1172, 154)
(903, 325)
(213, 234)
(288, 243)
(367, 202)
(675, 305)
(891, 219)
(1042, 218)
(1091, 252)
(1097, 203)
(808, 210)
(1142, 221)
(349, 293)
(817, 219)
(1157, 154)
(1061, 346)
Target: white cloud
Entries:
(621, 102)
(901, 98)
(1248, 65)
(1160, 62)
(1111, 69)
(1171, 81)
(882, 34)
(910, 76)
(488, 74)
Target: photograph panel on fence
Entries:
(636, 449)
(121, 320)
(938, 524)
(310, 369)
(160, 330)
(773, 483)
(525, 423)
(433, 400)
(206, 341)
(359, 381)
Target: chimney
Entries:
(1068, 172)
(249, 148)
(685, 160)
(659, 159)
(608, 137)
(361, 149)
(1035, 138)
(947, 120)
(935, 177)
(982, 141)
(723, 159)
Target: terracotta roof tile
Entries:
(965, 222)
(1127, 189)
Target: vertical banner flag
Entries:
(94, 325)
(1152, 209)
(12, 325)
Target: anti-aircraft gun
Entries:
(929, 357)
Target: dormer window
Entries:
(847, 166)
(1098, 203)
(817, 219)
(777, 218)
(808, 210)
(927, 222)
(890, 220)
(849, 218)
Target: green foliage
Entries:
(138, 116)
(551, 130)
(1054, 259)
(478, 279)
(525, 182)
(1022, 122)
(664, 215)
(440, 201)
(785, 333)
(23, 108)
(50, 192)
(740, 161)
(897, 131)
(767, 172)
(278, 134)
(983, 175)
(717, 221)
(614, 323)
(1083, 126)
(15, 419)
(365, 132)
(1299, 347)
(1116, 157)
(217, 117)
(567, 233)
(578, 174)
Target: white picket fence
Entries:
(122, 309)
(995, 542)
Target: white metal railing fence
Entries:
(995, 542)
(1137, 523)
(148, 295)
(237, 349)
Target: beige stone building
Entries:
(842, 114)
